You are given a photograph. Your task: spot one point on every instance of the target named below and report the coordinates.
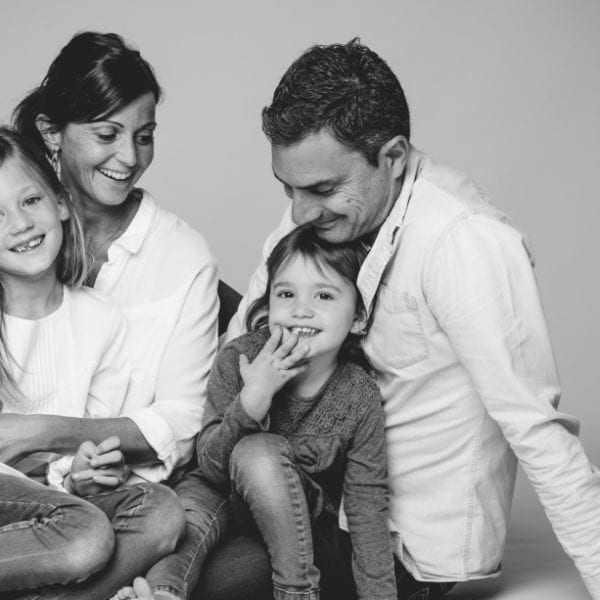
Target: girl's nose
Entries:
(20, 220)
(303, 310)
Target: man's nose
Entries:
(304, 210)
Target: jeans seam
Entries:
(294, 482)
(188, 570)
(133, 511)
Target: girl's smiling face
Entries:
(31, 231)
(315, 303)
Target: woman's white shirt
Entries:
(163, 275)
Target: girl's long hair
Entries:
(344, 259)
(71, 262)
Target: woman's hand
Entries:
(279, 361)
(96, 468)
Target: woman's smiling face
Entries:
(102, 160)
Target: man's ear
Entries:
(50, 133)
(63, 209)
(396, 151)
(359, 325)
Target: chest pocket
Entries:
(396, 337)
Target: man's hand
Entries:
(279, 361)
(97, 468)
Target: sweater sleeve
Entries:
(366, 507)
(225, 420)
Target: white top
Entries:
(467, 374)
(75, 362)
(163, 275)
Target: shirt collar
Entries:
(383, 246)
(396, 216)
(133, 237)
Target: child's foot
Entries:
(140, 591)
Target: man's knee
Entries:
(165, 516)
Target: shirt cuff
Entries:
(159, 436)
(58, 471)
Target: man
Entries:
(457, 333)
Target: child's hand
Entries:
(279, 361)
(96, 468)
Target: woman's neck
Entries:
(32, 298)
(104, 224)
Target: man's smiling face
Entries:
(334, 187)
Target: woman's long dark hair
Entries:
(94, 75)
(344, 259)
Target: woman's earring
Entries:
(55, 162)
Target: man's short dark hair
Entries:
(344, 89)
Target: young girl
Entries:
(294, 424)
(62, 352)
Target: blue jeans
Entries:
(264, 475)
(69, 548)
(206, 515)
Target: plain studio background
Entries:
(505, 90)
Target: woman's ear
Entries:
(359, 325)
(50, 133)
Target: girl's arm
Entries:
(240, 393)
(366, 507)
(225, 420)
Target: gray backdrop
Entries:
(506, 90)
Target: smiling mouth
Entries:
(115, 175)
(304, 331)
(32, 244)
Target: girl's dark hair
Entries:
(94, 75)
(71, 262)
(344, 259)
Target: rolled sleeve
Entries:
(171, 422)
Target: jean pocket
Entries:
(397, 333)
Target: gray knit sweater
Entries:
(337, 437)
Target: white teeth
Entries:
(115, 174)
(306, 331)
(33, 243)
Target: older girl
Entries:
(62, 351)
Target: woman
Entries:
(94, 116)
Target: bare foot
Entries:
(140, 591)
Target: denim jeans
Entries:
(264, 475)
(206, 515)
(68, 548)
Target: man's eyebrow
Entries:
(310, 186)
